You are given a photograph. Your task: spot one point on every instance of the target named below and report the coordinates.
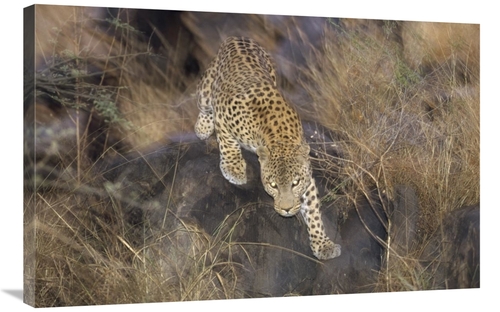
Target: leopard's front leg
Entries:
(323, 248)
(205, 126)
(232, 164)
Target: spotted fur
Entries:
(239, 100)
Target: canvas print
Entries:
(180, 156)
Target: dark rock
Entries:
(404, 218)
(452, 255)
(182, 183)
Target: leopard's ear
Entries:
(263, 153)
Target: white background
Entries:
(482, 12)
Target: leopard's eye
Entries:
(295, 182)
(273, 184)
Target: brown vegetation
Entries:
(409, 112)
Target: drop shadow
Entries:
(17, 293)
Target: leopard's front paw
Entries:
(234, 174)
(326, 249)
(204, 126)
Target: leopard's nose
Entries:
(287, 212)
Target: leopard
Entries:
(238, 99)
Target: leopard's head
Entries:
(285, 174)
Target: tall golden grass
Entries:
(409, 112)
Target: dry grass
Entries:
(409, 116)
(88, 254)
(408, 113)
(402, 124)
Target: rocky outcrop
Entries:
(452, 254)
(270, 255)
